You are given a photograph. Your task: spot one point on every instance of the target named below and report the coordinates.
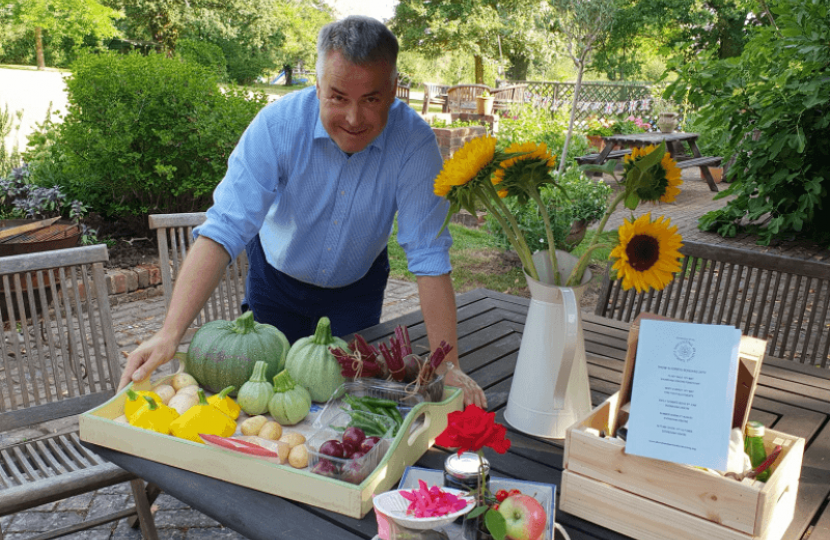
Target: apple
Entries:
(524, 517)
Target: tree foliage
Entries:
(73, 19)
(774, 101)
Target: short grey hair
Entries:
(361, 40)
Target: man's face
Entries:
(354, 101)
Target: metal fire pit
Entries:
(60, 235)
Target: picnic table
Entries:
(675, 144)
(791, 397)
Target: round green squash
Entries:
(223, 353)
(313, 366)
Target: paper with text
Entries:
(683, 393)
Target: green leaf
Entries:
(477, 511)
(496, 524)
(632, 200)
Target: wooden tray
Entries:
(421, 426)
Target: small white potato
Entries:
(298, 457)
(180, 380)
(165, 392)
(271, 430)
(292, 438)
(252, 425)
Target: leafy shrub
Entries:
(536, 124)
(205, 54)
(142, 135)
(773, 103)
(582, 200)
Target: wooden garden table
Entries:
(790, 397)
(675, 143)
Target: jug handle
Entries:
(572, 324)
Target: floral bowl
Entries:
(393, 505)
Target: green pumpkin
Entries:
(312, 365)
(255, 394)
(223, 353)
(290, 403)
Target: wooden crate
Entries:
(650, 499)
(99, 427)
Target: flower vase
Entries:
(667, 121)
(550, 389)
(484, 104)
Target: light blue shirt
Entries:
(324, 217)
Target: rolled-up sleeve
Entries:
(249, 189)
(421, 213)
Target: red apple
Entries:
(524, 517)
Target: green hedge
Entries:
(142, 135)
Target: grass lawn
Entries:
(478, 262)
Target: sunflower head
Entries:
(470, 165)
(648, 255)
(527, 165)
(650, 174)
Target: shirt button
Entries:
(335, 222)
(328, 249)
(324, 271)
(342, 192)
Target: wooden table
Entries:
(674, 144)
(790, 398)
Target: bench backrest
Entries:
(514, 94)
(462, 97)
(773, 297)
(58, 352)
(175, 236)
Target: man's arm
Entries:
(198, 278)
(438, 307)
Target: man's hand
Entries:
(147, 357)
(473, 394)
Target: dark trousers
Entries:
(295, 307)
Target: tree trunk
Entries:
(577, 88)
(41, 63)
(518, 69)
(479, 69)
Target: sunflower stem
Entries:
(576, 273)
(534, 194)
(521, 249)
(519, 236)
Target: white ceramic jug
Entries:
(550, 389)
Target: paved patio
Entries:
(135, 321)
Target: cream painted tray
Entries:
(421, 426)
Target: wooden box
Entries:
(429, 420)
(649, 499)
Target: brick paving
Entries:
(137, 315)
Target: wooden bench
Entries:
(434, 94)
(58, 361)
(402, 93)
(704, 161)
(773, 297)
(591, 159)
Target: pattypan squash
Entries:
(202, 418)
(154, 416)
(225, 403)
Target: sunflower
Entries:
(662, 184)
(530, 162)
(647, 255)
(465, 164)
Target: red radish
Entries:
(333, 448)
(354, 436)
(325, 467)
(368, 443)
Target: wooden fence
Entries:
(601, 99)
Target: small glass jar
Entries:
(462, 472)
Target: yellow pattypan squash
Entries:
(202, 418)
(154, 416)
(134, 401)
(225, 403)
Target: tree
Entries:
(581, 23)
(433, 28)
(771, 104)
(73, 19)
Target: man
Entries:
(311, 193)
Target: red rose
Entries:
(471, 430)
